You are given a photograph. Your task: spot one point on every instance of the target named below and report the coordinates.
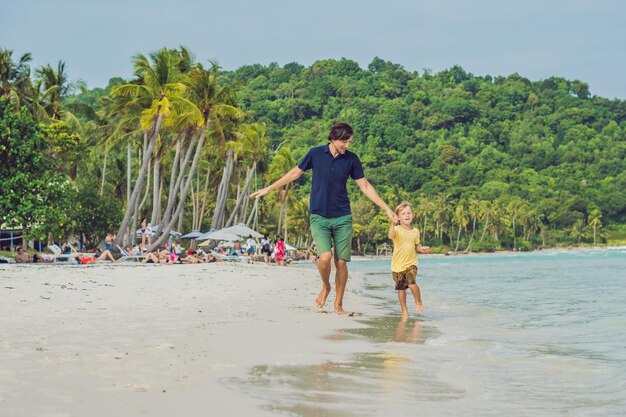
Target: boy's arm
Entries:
(422, 249)
(289, 177)
(368, 189)
(391, 233)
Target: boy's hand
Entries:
(425, 249)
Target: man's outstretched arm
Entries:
(368, 189)
(289, 177)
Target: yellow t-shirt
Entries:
(404, 252)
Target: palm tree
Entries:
(206, 103)
(594, 221)
(484, 216)
(473, 210)
(15, 79)
(442, 208)
(54, 86)
(158, 89)
(461, 219)
(578, 231)
(254, 148)
(283, 161)
(425, 208)
(513, 208)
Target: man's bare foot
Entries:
(405, 316)
(339, 310)
(419, 307)
(321, 298)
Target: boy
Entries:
(406, 241)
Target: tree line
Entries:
(488, 162)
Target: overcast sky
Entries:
(575, 39)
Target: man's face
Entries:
(341, 146)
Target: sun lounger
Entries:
(127, 257)
(59, 256)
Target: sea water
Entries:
(533, 334)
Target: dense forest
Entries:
(488, 162)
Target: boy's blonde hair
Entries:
(402, 206)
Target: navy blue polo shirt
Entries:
(329, 195)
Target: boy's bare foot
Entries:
(405, 316)
(419, 307)
(321, 298)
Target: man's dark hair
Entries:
(340, 131)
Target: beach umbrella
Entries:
(289, 247)
(192, 235)
(241, 230)
(218, 235)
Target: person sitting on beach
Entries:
(42, 258)
(106, 255)
(191, 259)
(178, 249)
(22, 257)
(406, 241)
(66, 248)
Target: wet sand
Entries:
(156, 340)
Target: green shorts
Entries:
(333, 231)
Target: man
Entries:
(22, 257)
(331, 218)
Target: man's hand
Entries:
(394, 218)
(260, 193)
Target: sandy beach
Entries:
(155, 340)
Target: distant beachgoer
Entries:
(144, 230)
(22, 257)
(266, 248)
(331, 218)
(251, 245)
(279, 255)
(108, 241)
(406, 244)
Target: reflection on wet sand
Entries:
(369, 384)
(386, 329)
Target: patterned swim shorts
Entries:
(405, 278)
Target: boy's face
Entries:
(406, 216)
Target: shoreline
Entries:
(160, 341)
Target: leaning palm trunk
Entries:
(155, 191)
(253, 213)
(104, 171)
(222, 193)
(183, 195)
(242, 196)
(140, 178)
(472, 236)
(458, 238)
(201, 212)
(283, 203)
(143, 200)
(484, 229)
(167, 216)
